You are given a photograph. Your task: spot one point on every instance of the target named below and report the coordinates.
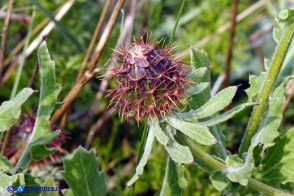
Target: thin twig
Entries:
(73, 93)
(286, 104)
(97, 126)
(144, 23)
(4, 35)
(8, 72)
(125, 36)
(65, 8)
(217, 85)
(21, 18)
(231, 44)
(91, 70)
(34, 75)
(5, 141)
(290, 92)
(106, 34)
(34, 32)
(88, 53)
(94, 38)
(225, 27)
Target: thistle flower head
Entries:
(150, 81)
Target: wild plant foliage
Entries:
(174, 102)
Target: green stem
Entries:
(263, 98)
(143, 141)
(210, 164)
(22, 58)
(177, 21)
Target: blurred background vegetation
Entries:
(203, 24)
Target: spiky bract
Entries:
(150, 81)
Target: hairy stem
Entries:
(268, 87)
(210, 164)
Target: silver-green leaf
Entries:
(198, 88)
(7, 181)
(49, 91)
(81, 172)
(279, 162)
(198, 58)
(239, 171)
(195, 131)
(177, 152)
(145, 156)
(197, 74)
(172, 179)
(226, 116)
(271, 123)
(49, 182)
(286, 15)
(5, 164)
(256, 83)
(10, 110)
(212, 106)
(219, 180)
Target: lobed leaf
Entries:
(286, 15)
(237, 170)
(195, 131)
(10, 110)
(49, 91)
(29, 181)
(256, 83)
(279, 162)
(268, 131)
(81, 172)
(6, 181)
